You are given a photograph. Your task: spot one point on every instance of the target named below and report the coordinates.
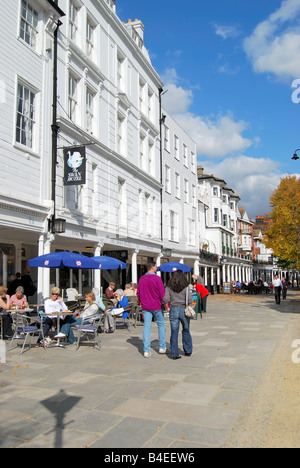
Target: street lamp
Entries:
(295, 156)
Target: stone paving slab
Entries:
(114, 398)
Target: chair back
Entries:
(19, 321)
(71, 294)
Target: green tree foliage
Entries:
(283, 234)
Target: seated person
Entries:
(90, 309)
(51, 306)
(128, 291)
(19, 299)
(109, 292)
(6, 319)
(109, 323)
(98, 299)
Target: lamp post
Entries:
(295, 155)
(55, 225)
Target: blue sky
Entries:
(229, 67)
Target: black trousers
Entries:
(277, 294)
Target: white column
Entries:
(134, 276)
(219, 276)
(224, 273)
(196, 268)
(228, 273)
(205, 276)
(97, 273)
(40, 273)
(46, 271)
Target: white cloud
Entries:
(226, 31)
(215, 137)
(253, 179)
(274, 45)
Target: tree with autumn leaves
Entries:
(283, 233)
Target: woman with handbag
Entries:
(178, 295)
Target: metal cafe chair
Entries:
(90, 329)
(23, 329)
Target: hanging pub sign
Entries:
(75, 165)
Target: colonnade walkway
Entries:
(115, 398)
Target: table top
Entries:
(19, 311)
(55, 314)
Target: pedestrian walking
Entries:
(204, 293)
(178, 295)
(277, 288)
(150, 293)
(284, 287)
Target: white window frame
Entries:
(192, 232)
(167, 179)
(28, 30)
(177, 185)
(73, 21)
(173, 226)
(73, 84)
(122, 203)
(121, 134)
(90, 110)
(186, 191)
(90, 38)
(176, 147)
(26, 115)
(121, 78)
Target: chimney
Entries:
(200, 171)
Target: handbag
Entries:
(189, 311)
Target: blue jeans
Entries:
(177, 316)
(66, 328)
(159, 318)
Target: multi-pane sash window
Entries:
(28, 24)
(173, 226)
(89, 110)
(72, 97)
(90, 28)
(73, 27)
(25, 116)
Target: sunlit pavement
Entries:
(116, 398)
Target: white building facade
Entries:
(220, 259)
(108, 100)
(180, 200)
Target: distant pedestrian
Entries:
(284, 287)
(150, 293)
(178, 295)
(277, 288)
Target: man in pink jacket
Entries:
(150, 293)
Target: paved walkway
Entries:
(116, 398)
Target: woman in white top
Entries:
(51, 306)
(91, 308)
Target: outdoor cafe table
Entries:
(57, 315)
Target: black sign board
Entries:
(74, 165)
(118, 254)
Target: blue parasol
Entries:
(174, 266)
(109, 263)
(64, 259)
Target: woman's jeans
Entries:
(159, 318)
(177, 316)
(66, 328)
